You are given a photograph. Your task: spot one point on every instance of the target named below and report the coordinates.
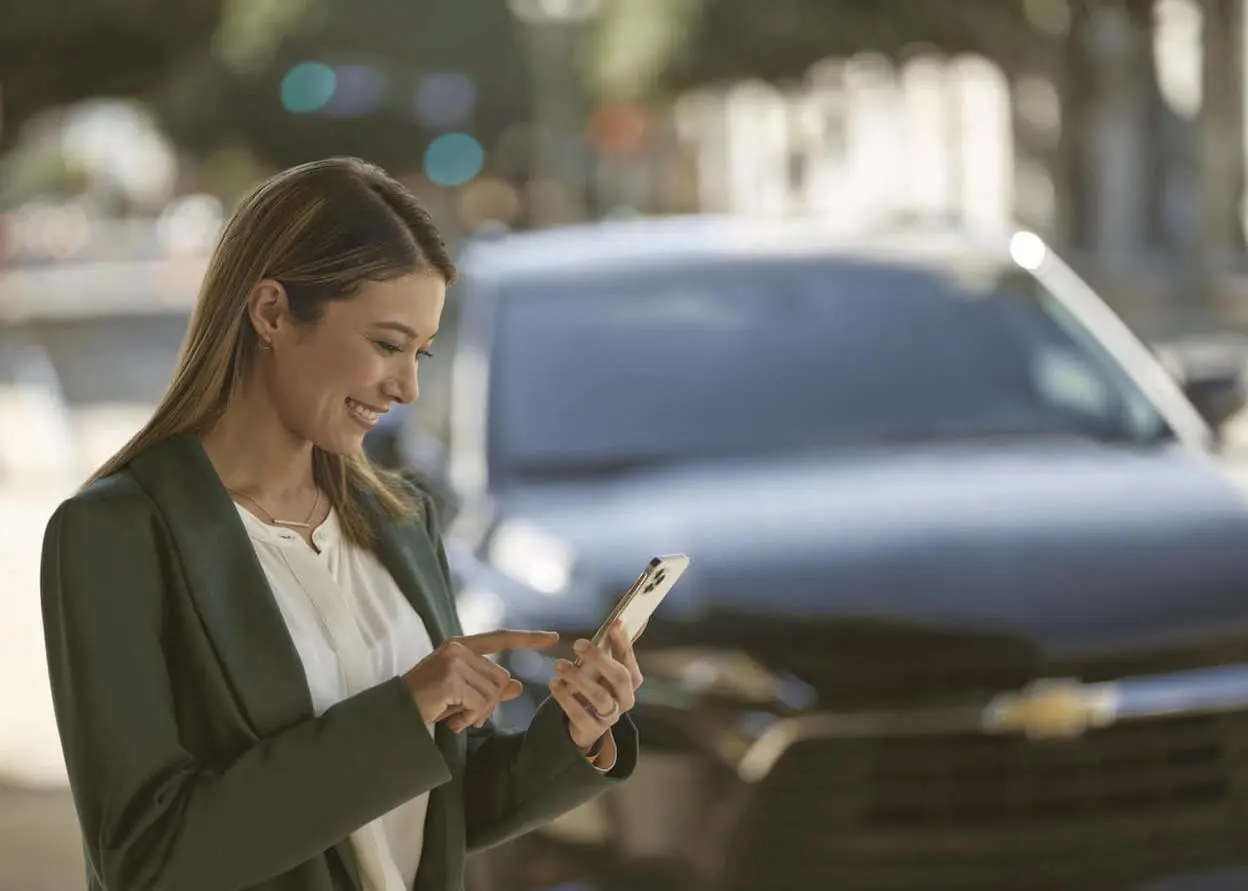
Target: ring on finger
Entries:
(609, 716)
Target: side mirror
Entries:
(1213, 381)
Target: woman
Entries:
(257, 671)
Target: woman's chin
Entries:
(341, 442)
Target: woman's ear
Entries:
(268, 310)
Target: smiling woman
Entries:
(259, 677)
(297, 315)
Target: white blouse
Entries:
(353, 629)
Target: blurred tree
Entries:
(1103, 75)
(55, 53)
(218, 72)
(323, 78)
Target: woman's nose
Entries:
(404, 388)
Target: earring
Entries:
(266, 345)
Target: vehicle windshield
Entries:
(615, 371)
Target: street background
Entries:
(1115, 129)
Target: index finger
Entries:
(505, 639)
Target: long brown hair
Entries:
(322, 229)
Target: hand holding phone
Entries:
(643, 597)
(595, 690)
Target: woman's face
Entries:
(330, 381)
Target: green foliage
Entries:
(234, 96)
(56, 52)
(212, 69)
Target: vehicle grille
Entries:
(1120, 806)
(862, 664)
(977, 779)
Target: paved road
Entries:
(38, 841)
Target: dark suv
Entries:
(968, 605)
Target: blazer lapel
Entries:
(412, 561)
(226, 582)
(408, 556)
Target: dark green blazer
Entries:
(194, 758)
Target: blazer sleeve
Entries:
(151, 816)
(515, 782)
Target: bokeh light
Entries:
(453, 159)
(358, 90)
(619, 128)
(445, 99)
(488, 201)
(308, 87)
(190, 224)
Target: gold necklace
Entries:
(292, 524)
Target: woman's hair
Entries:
(322, 229)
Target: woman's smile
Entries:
(364, 415)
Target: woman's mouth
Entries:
(363, 415)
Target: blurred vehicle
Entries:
(33, 415)
(401, 443)
(923, 478)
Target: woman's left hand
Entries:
(594, 705)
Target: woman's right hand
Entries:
(457, 683)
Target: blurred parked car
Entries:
(402, 444)
(923, 479)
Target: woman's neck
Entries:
(255, 454)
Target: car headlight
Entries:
(531, 556)
(480, 610)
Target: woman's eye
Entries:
(388, 348)
(424, 354)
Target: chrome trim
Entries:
(768, 748)
(1048, 708)
(1199, 690)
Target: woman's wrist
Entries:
(602, 753)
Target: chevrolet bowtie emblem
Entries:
(1052, 708)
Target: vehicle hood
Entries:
(1066, 543)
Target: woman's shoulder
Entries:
(116, 498)
(434, 504)
(417, 506)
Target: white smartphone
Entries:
(643, 597)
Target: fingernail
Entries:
(562, 665)
(581, 646)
